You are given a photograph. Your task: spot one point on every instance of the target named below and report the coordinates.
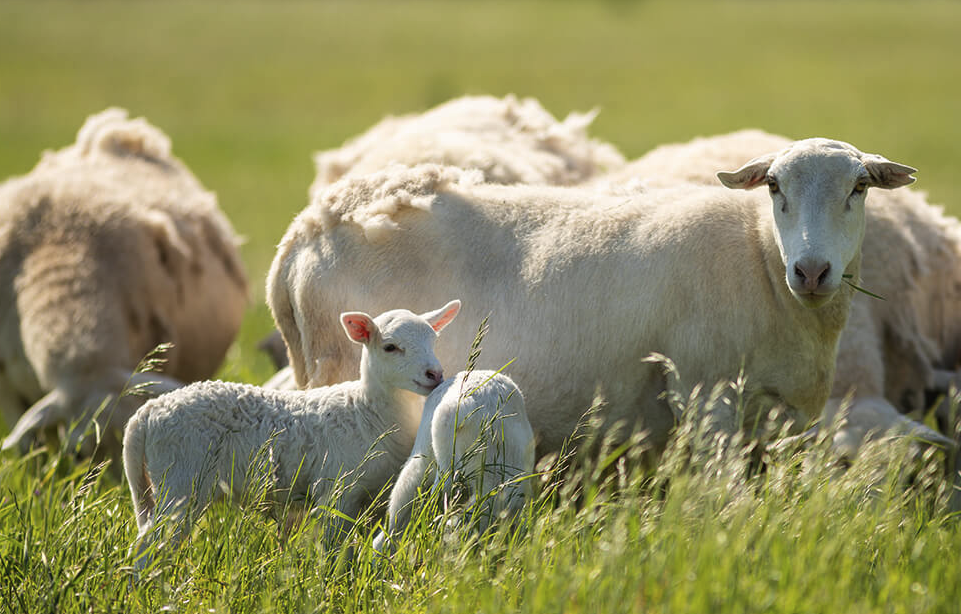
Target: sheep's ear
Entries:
(748, 176)
(886, 174)
(360, 327)
(443, 316)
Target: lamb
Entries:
(897, 348)
(573, 265)
(474, 430)
(184, 449)
(108, 248)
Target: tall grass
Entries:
(247, 90)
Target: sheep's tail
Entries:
(135, 466)
(282, 308)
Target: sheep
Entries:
(109, 247)
(474, 431)
(184, 449)
(509, 140)
(895, 348)
(583, 285)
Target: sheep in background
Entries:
(583, 286)
(895, 348)
(473, 432)
(510, 140)
(181, 449)
(108, 248)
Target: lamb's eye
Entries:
(390, 347)
(860, 187)
(772, 185)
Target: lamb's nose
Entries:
(812, 273)
(434, 376)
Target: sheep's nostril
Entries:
(812, 275)
(434, 376)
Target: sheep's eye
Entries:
(390, 347)
(772, 185)
(860, 187)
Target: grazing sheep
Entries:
(911, 256)
(474, 431)
(583, 286)
(184, 449)
(108, 248)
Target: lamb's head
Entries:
(818, 188)
(398, 347)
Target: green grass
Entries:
(248, 90)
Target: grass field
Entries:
(248, 90)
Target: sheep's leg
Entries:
(402, 498)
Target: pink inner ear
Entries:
(357, 328)
(444, 319)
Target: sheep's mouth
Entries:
(427, 387)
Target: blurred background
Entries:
(249, 90)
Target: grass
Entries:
(248, 90)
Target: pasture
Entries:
(247, 91)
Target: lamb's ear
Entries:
(360, 327)
(443, 316)
(748, 176)
(886, 174)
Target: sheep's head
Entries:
(818, 187)
(399, 347)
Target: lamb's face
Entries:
(399, 347)
(817, 189)
(402, 354)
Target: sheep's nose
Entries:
(812, 273)
(435, 376)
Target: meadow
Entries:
(248, 91)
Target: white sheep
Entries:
(582, 286)
(212, 440)
(108, 248)
(894, 348)
(510, 140)
(473, 433)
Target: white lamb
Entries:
(210, 440)
(583, 285)
(474, 432)
(108, 248)
(894, 348)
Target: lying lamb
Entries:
(108, 248)
(474, 431)
(564, 270)
(181, 449)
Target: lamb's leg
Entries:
(402, 498)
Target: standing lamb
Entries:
(474, 431)
(108, 248)
(583, 285)
(895, 348)
(182, 448)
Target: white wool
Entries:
(474, 429)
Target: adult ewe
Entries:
(583, 285)
(895, 348)
(211, 440)
(108, 248)
(509, 140)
